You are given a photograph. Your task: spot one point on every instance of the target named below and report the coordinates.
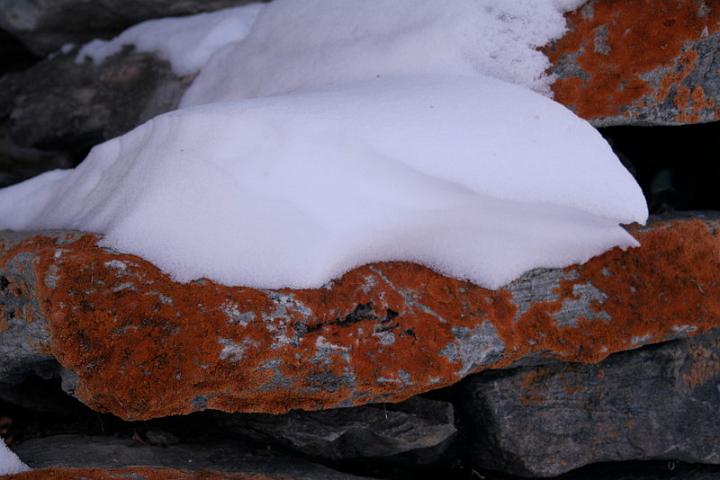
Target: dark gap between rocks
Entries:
(14, 57)
(676, 166)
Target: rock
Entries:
(221, 458)
(53, 113)
(135, 343)
(418, 425)
(654, 403)
(46, 25)
(640, 62)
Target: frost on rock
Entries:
(333, 136)
(9, 462)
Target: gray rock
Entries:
(219, 455)
(418, 425)
(655, 403)
(46, 25)
(53, 113)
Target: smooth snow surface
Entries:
(475, 177)
(9, 462)
(186, 42)
(342, 132)
(299, 44)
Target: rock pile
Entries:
(392, 371)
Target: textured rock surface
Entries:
(659, 402)
(418, 425)
(640, 62)
(53, 113)
(134, 343)
(46, 25)
(227, 456)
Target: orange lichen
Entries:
(145, 346)
(641, 39)
(136, 473)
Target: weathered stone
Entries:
(640, 62)
(418, 425)
(53, 113)
(655, 403)
(137, 344)
(222, 458)
(46, 25)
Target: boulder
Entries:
(46, 25)
(655, 403)
(133, 342)
(72, 456)
(640, 62)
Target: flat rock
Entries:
(215, 458)
(640, 62)
(46, 25)
(655, 403)
(135, 343)
(418, 425)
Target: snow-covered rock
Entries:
(332, 136)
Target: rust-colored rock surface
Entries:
(640, 61)
(139, 345)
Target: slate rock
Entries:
(418, 425)
(640, 62)
(46, 25)
(656, 403)
(53, 113)
(219, 457)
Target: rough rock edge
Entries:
(139, 345)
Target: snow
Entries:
(9, 462)
(315, 43)
(186, 42)
(339, 133)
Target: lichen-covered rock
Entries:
(640, 62)
(46, 25)
(655, 403)
(135, 343)
(418, 425)
(53, 113)
(216, 458)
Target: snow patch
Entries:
(296, 45)
(9, 462)
(186, 42)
